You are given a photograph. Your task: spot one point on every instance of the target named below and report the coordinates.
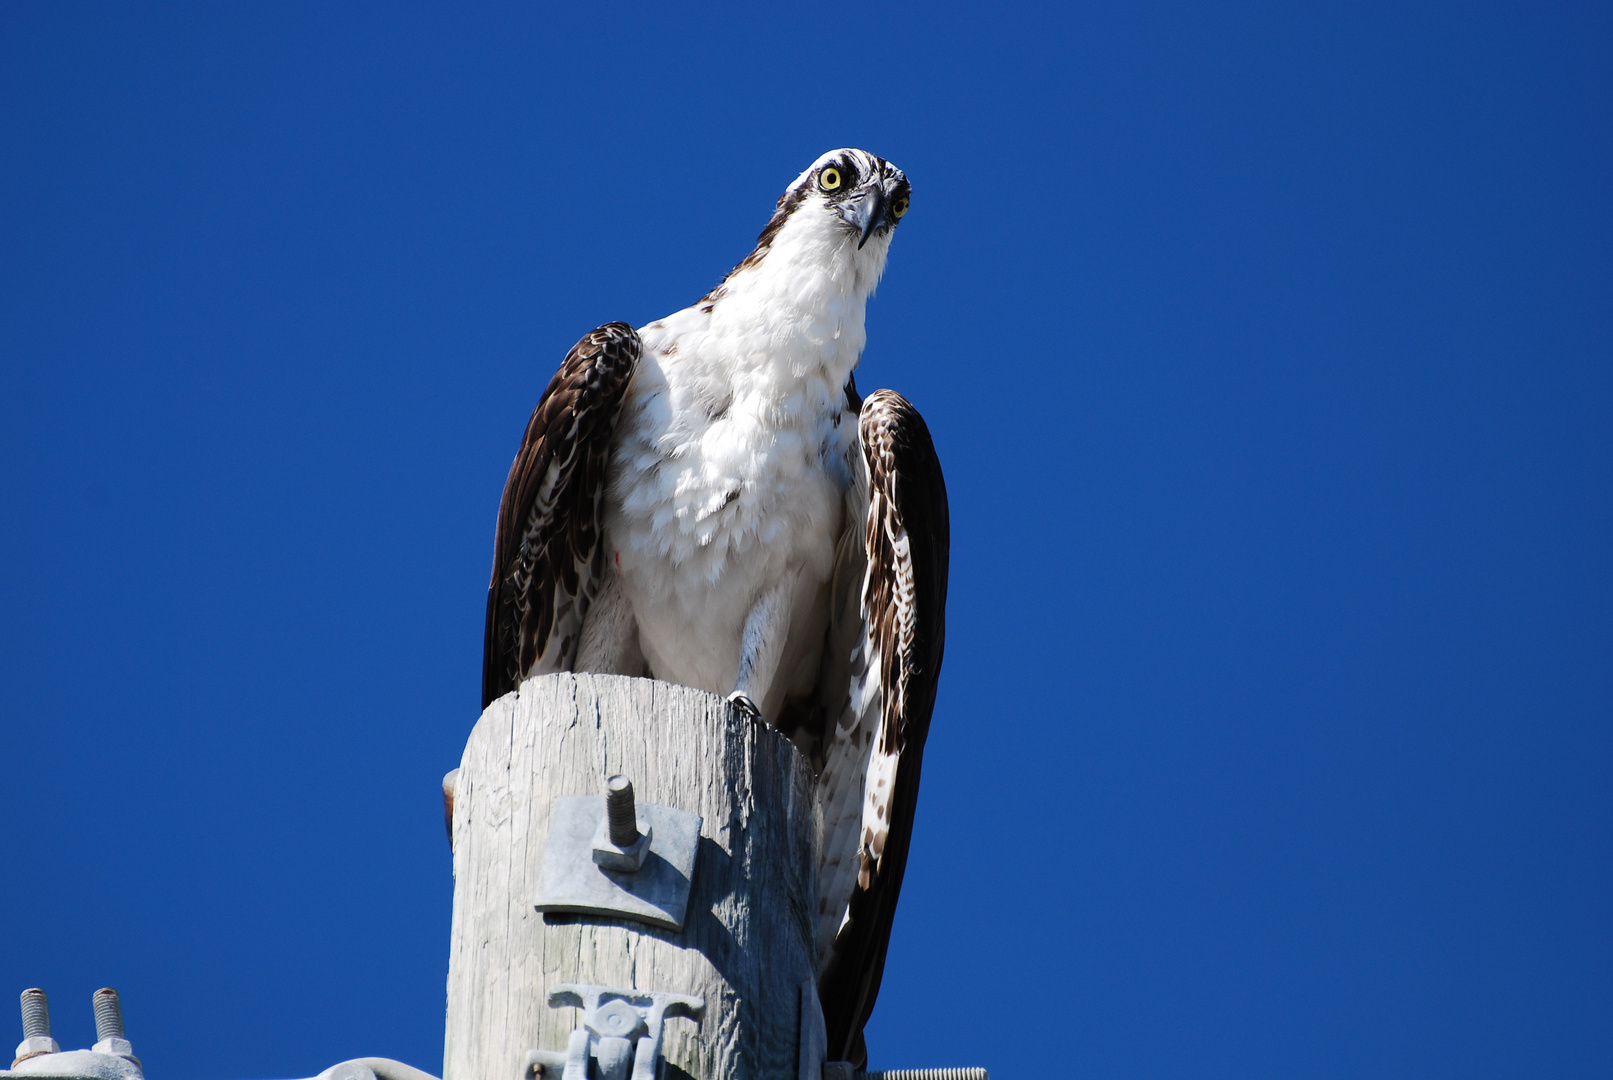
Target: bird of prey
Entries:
(706, 500)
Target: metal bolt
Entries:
(109, 1026)
(924, 1074)
(36, 1038)
(619, 810)
(35, 1014)
(108, 1014)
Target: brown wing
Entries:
(547, 553)
(869, 785)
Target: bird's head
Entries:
(863, 195)
(842, 210)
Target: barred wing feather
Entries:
(874, 751)
(548, 553)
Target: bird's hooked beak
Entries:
(865, 212)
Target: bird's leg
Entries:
(609, 642)
(761, 645)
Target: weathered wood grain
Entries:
(747, 942)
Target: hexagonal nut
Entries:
(628, 859)
(618, 1020)
(116, 1047)
(30, 1048)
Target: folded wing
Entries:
(895, 627)
(548, 555)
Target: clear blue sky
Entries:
(1268, 355)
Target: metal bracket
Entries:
(621, 1029)
(111, 1058)
(585, 872)
(75, 1065)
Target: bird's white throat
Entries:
(731, 470)
(795, 310)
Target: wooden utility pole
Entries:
(746, 946)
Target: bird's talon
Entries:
(746, 705)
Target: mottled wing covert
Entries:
(547, 554)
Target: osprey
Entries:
(706, 500)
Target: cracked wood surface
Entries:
(747, 942)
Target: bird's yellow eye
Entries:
(899, 207)
(829, 179)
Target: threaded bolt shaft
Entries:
(620, 811)
(108, 1014)
(923, 1074)
(35, 1014)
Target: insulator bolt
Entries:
(36, 1038)
(109, 1025)
(35, 1014)
(108, 1014)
